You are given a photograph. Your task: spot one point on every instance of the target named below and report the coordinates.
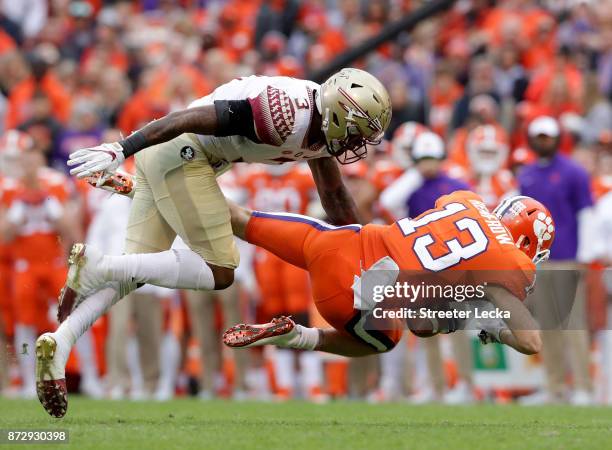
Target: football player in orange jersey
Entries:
(35, 221)
(6, 267)
(487, 150)
(499, 250)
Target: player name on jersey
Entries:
(497, 228)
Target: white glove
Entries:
(103, 158)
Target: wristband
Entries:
(133, 143)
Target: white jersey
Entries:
(282, 107)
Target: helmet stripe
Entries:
(505, 205)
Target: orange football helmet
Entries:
(530, 224)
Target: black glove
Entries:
(487, 338)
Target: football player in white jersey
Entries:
(254, 119)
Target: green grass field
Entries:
(192, 424)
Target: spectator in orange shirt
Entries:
(557, 88)
(443, 94)
(42, 125)
(37, 76)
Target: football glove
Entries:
(103, 158)
(117, 183)
(487, 338)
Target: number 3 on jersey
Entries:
(456, 251)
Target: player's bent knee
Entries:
(224, 277)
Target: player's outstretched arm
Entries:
(522, 332)
(108, 157)
(335, 198)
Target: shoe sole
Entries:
(243, 335)
(67, 298)
(52, 394)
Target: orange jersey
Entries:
(37, 239)
(284, 288)
(290, 191)
(494, 189)
(384, 173)
(460, 234)
(6, 274)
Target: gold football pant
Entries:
(177, 193)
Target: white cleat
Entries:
(461, 394)
(581, 397)
(84, 278)
(425, 396)
(540, 397)
(50, 377)
(116, 393)
(92, 388)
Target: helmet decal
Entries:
(530, 224)
(356, 110)
(543, 226)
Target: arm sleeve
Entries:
(394, 198)
(235, 118)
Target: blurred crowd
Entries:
(497, 96)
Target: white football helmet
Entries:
(487, 149)
(403, 140)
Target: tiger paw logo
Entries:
(543, 227)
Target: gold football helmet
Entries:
(356, 111)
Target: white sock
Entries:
(284, 368)
(175, 269)
(170, 359)
(84, 315)
(132, 362)
(391, 371)
(300, 337)
(257, 381)
(311, 367)
(25, 348)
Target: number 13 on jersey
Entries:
(456, 252)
